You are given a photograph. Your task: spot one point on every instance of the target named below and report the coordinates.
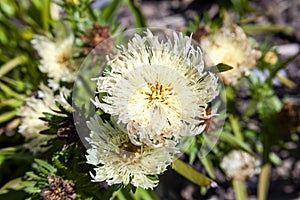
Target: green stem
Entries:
(234, 121)
(46, 14)
(240, 189)
(287, 82)
(263, 182)
(267, 28)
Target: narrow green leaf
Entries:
(275, 159)
(239, 189)
(234, 142)
(46, 14)
(146, 194)
(140, 20)
(11, 103)
(267, 29)
(235, 126)
(191, 174)
(32, 190)
(34, 176)
(279, 66)
(8, 151)
(208, 166)
(12, 184)
(10, 92)
(45, 165)
(286, 81)
(110, 9)
(7, 67)
(126, 195)
(7, 116)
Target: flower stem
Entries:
(236, 127)
(263, 181)
(239, 189)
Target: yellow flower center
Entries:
(129, 147)
(156, 92)
(130, 152)
(63, 59)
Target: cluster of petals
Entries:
(156, 92)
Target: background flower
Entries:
(34, 109)
(230, 46)
(56, 57)
(239, 165)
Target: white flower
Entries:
(232, 47)
(34, 109)
(239, 165)
(56, 57)
(159, 89)
(117, 160)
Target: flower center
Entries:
(157, 92)
(130, 148)
(63, 59)
(130, 152)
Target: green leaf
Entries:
(8, 151)
(146, 194)
(7, 116)
(267, 29)
(235, 126)
(140, 20)
(45, 12)
(191, 174)
(12, 184)
(286, 81)
(32, 190)
(208, 165)
(7, 67)
(34, 176)
(46, 165)
(124, 194)
(234, 142)
(11, 103)
(275, 159)
(110, 9)
(279, 66)
(221, 67)
(10, 92)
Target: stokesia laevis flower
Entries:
(56, 57)
(231, 46)
(117, 160)
(159, 89)
(34, 108)
(239, 165)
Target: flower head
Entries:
(34, 109)
(239, 165)
(117, 160)
(56, 57)
(159, 89)
(232, 47)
